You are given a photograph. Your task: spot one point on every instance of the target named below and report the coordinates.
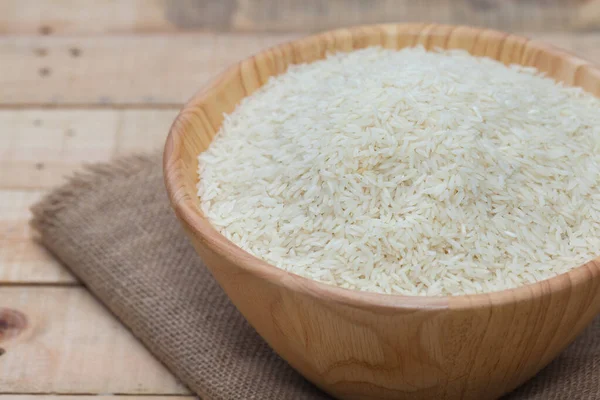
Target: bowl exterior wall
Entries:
(453, 352)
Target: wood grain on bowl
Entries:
(359, 345)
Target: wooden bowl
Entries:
(358, 345)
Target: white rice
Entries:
(410, 172)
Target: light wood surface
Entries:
(71, 343)
(39, 148)
(44, 71)
(56, 338)
(43, 146)
(358, 345)
(21, 259)
(142, 16)
(116, 112)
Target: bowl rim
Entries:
(188, 212)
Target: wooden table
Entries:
(74, 92)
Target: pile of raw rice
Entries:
(410, 172)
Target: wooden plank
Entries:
(134, 16)
(116, 70)
(61, 340)
(21, 259)
(588, 16)
(46, 145)
(90, 397)
(160, 70)
(294, 15)
(38, 148)
(82, 16)
(113, 16)
(143, 130)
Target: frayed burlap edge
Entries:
(88, 178)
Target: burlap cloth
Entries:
(113, 227)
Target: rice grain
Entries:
(410, 172)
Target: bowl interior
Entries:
(201, 118)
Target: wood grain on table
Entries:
(87, 83)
